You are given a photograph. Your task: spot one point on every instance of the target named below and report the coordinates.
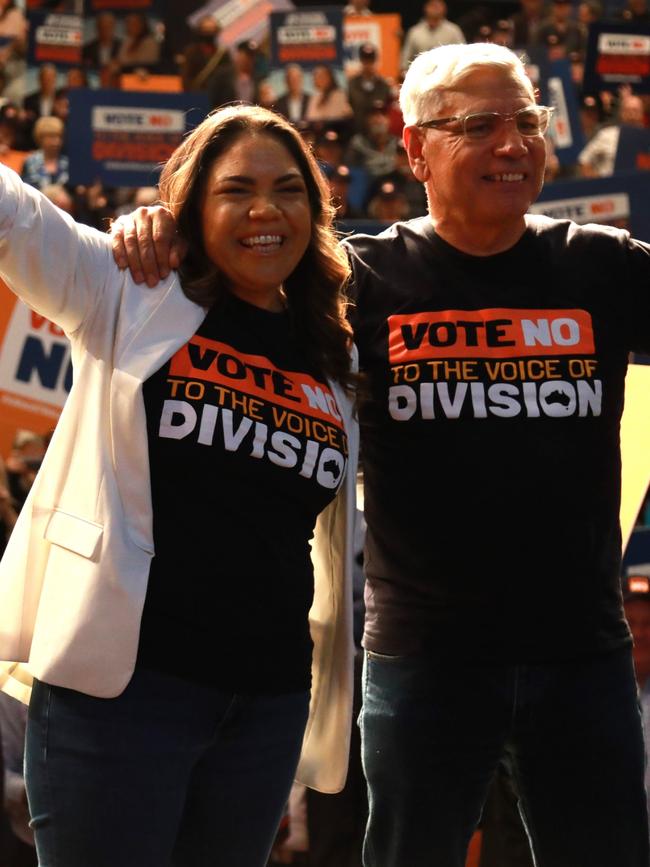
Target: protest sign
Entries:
(122, 138)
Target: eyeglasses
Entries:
(530, 121)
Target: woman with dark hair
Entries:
(179, 578)
(139, 47)
(13, 31)
(329, 102)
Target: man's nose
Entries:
(509, 140)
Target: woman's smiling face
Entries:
(256, 217)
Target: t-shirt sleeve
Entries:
(635, 291)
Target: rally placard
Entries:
(383, 31)
(124, 138)
(619, 200)
(633, 152)
(55, 38)
(559, 92)
(92, 7)
(35, 370)
(310, 36)
(240, 20)
(617, 53)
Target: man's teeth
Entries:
(262, 240)
(508, 178)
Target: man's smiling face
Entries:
(481, 183)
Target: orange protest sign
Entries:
(384, 31)
(35, 370)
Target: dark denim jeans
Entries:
(169, 772)
(433, 732)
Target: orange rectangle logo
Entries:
(496, 332)
(212, 361)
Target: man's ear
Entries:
(414, 144)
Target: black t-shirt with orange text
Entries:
(246, 447)
(490, 439)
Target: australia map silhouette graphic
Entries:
(333, 468)
(557, 396)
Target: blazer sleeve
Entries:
(58, 267)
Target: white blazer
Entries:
(74, 575)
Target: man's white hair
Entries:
(440, 69)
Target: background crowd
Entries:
(352, 121)
(354, 125)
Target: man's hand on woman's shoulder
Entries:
(145, 241)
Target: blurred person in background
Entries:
(13, 50)
(357, 7)
(61, 197)
(339, 181)
(102, 51)
(329, 149)
(367, 87)
(266, 94)
(22, 464)
(432, 30)
(206, 65)
(246, 71)
(560, 32)
(526, 22)
(139, 47)
(13, 35)
(404, 180)
(591, 115)
(48, 164)
(598, 157)
(9, 133)
(375, 149)
(75, 77)
(20, 850)
(589, 11)
(503, 33)
(294, 101)
(328, 105)
(388, 204)
(61, 107)
(40, 102)
(8, 511)
(635, 12)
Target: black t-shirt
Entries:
(246, 447)
(490, 441)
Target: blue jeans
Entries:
(169, 772)
(433, 732)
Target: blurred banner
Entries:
(240, 19)
(559, 91)
(620, 200)
(55, 38)
(35, 370)
(123, 138)
(92, 7)
(633, 151)
(617, 54)
(310, 36)
(382, 31)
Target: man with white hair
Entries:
(495, 347)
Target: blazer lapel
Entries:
(163, 320)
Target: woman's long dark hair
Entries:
(331, 87)
(315, 290)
